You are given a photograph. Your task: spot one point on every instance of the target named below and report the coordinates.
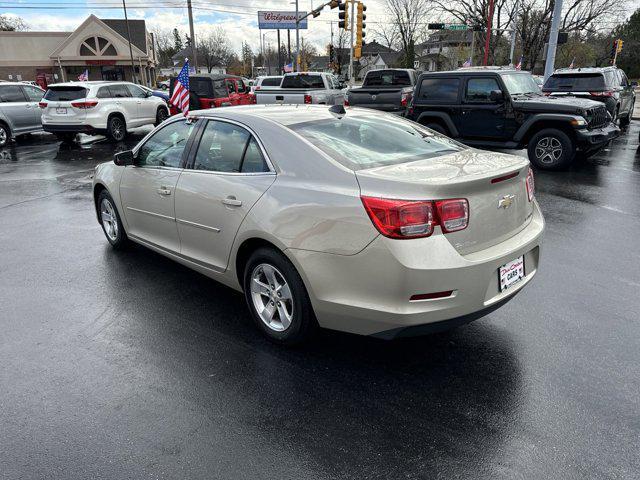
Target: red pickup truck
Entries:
(210, 90)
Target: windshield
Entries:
(360, 142)
(520, 83)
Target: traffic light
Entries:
(619, 49)
(360, 26)
(343, 15)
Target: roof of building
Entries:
(389, 58)
(374, 47)
(137, 27)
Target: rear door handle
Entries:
(164, 191)
(231, 200)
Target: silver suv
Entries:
(19, 112)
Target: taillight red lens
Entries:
(346, 102)
(42, 104)
(531, 186)
(84, 105)
(453, 214)
(400, 218)
(606, 93)
(546, 94)
(404, 101)
(307, 99)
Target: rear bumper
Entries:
(369, 293)
(596, 138)
(69, 128)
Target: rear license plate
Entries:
(511, 273)
(61, 110)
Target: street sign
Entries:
(274, 20)
(448, 26)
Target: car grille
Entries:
(599, 117)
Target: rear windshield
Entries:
(576, 82)
(65, 94)
(382, 78)
(368, 141)
(302, 81)
(271, 82)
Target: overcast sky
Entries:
(238, 17)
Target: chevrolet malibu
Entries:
(352, 220)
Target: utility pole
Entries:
(353, 14)
(194, 54)
(473, 32)
(553, 40)
(513, 33)
(289, 59)
(487, 40)
(279, 56)
(133, 64)
(297, 39)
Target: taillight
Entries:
(42, 104)
(253, 100)
(346, 102)
(606, 93)
(546, 94)
(404, 101)
(84, 105)
(404, 219)
(258, 88)
(453, 215)
(531, 186)
(307, 99)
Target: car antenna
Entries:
(337, 111)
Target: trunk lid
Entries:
(497, 210)
(59, 107)
(381, 98)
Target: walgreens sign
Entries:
(272, 20)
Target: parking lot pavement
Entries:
(127, 365)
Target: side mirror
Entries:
(149, 94)
(124, 158)
(496, 96)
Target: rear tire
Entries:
(5, 135)
(277, 298)
(110, 221)
(116, 128)
(551, 149)
(626, 120)
(161, 116)
(66, 137)
(437, 127)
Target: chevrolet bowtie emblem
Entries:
(506, 201)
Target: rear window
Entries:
(201, 87)
(11, 93)
(65, 94)
(272, 82)
(360, 142)
(439, 90)
(576, 82)
(382, 78)
(302, 81)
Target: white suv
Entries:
(108, 108)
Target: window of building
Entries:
(97, 46)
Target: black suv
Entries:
(608, 85)
(504, 108)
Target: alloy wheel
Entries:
(3, 136)
(109, 220)
(117, 129)
(272, 297)
(548, 150)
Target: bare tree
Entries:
(213, 48)
(165, 45)
(387, 34)
(11, 23)
(408, 17)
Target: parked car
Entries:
(358, 221)
(504, 108)
(213, 90)
(163, 85)
(389, 90)
(19, 112)
(107, 108)
(306, 88)
(156, 93)
(608, 85)
(267, 83)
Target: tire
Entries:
(5, 135)
(110, 221)
(161, 116)
(116, 128)
(66, 137)
(273, 273)
(626, 120)
(436, 127)
(551, 149)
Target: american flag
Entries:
(467, 63)
(84, 76)
(180, 97)
(288, 68)
(519, 65)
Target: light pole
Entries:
(297, 39)
(513, 33)
(553, 40)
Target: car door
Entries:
(226, 176)
(126, 104)
(146, 106)
(244, 96)
(34, 95)
(232, 89)
(147, 188)
(481, 117)
(17, 108)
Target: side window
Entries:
(228, 148)
(219, 89)
(11, 93)
(479, 89)
(231, 87)
(135, 91)
(624, 82)
(164, 149)
(103, 92)
(439, 90)
(241, 87)
(119, 91)
(34, 94)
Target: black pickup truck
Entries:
(504, 108)
(388, 90)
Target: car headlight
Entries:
(579, 122)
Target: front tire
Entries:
(116, 128)
(551, 149)
(161, 116)
(110, 221)
(5, 135)
(277, 298)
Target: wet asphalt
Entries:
(125, 365)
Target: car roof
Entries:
(87, 84)
(20, 83)
(477, 70)
(569, 71)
